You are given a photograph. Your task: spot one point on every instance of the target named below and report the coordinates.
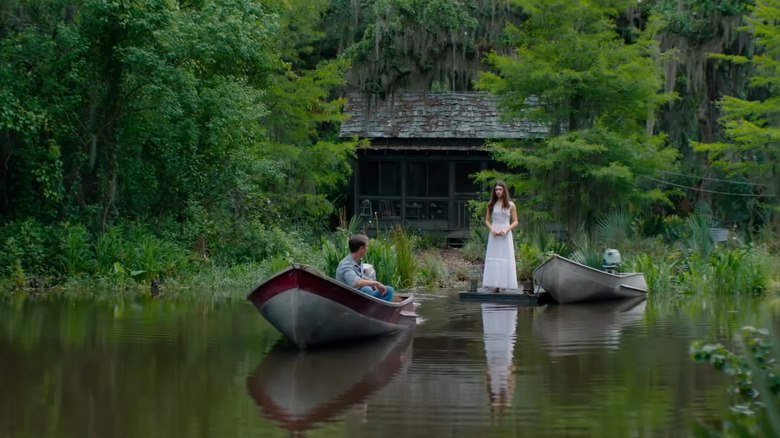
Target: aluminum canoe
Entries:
(567, 281)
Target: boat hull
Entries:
(311, 309)
(302, 389)
(567, 281)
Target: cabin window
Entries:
(380, 178)
(427, 179)
(390, 178)
(464, 183)
(438, 178)
(416, 179)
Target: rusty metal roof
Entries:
(432, 115)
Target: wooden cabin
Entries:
(424, 148)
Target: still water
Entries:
(183, 369)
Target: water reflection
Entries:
(499, 324)
(569, 329)
(301, 389)
(193, 369)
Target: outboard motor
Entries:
(611, 260)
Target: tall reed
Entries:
(383, 256)
(404, 250)
(659, 272)
(75, 250)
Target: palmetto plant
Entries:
(614, 228)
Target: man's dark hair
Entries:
(356, 241)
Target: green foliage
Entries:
(750, 124)
(614, 229)
(587, 252)
(383, 255)
(431, 240)
(673, 227)
(336, 246)
(114, 111)
(756, 390)
(75, 250)
(698, 236)
(28, 249)
(415, 44)
(695, 18)
(528, 257)
(333, 254)
(660, 272)
(406, 267)
(572, 72)
(110, 252)
(474, 249)
(738, 271)
(277, 263)
(651, 225)
(433, 271)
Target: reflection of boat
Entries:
(499, 325)
(567, 281)
(301, 389)
(566, 330)
(311, 308)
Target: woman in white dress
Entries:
(501, 217)
(499, 327)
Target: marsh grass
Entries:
(405, 265)
(433, 271)
(382, 254)
(333, 252)
(659, 273)
(474, 247)
(75, 250)
(110, 253)
(123, 259)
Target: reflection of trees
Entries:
(153, 369)
(633, 379)
(632, 375)
(161, 369)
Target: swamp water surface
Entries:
(158, 368)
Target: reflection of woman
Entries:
(501, 217)
(498, 327)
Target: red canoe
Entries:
(310, 308)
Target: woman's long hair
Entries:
(505, 200)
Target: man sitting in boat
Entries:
(350, 270)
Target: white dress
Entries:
(500, 269)
(499, 324)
